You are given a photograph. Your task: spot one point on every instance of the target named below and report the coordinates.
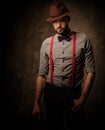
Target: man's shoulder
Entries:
(47, 40)
(81, 34)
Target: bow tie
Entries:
(67, 38)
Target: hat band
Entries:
(57, 15)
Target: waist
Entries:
(64, 82)
(49, 85)
(63, 90)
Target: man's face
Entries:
(60, 25)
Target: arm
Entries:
(40, 83)
(89, 77)
(90, 70)
(88, 82)
(87, 86)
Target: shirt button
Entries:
(63, 59)
(62, 77)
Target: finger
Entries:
(35, 116)
(38, 115)
(73, 108)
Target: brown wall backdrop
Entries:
(23, 29)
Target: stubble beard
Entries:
(62, 31)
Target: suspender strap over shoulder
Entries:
(73, 60)
(51, 60)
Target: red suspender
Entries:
(73, 60)
(51, 60)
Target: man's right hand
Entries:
(36, 111)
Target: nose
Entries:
(59, 23)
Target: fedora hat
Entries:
(58, 11)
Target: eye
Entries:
(63, 20)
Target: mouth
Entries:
(60, 29)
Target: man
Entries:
(65, 59)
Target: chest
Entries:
(65, 50)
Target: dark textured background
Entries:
(23, 28)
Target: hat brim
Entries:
(52, 19)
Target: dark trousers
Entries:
(58, 104)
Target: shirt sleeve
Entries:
(89, 57)
(44, 61)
